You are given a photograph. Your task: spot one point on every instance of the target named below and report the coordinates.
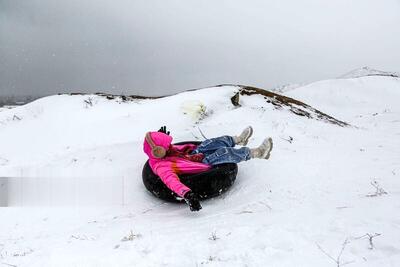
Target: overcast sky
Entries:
(157, 47)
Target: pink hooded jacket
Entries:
(169, 167)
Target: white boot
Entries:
(244, 137)
(263, 151)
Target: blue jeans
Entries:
(220, 150)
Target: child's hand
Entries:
(193, 201)
(163, 129)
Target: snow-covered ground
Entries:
(328, 196)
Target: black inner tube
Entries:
(207, 184)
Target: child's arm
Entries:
(185, 148)
(171, 180)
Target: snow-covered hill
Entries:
(368, 71)
(329, 195)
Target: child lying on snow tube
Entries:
(168, 160)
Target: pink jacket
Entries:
(169, 167)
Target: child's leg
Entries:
(210, 145)
(228, 155)
(233, 155)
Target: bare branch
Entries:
(197, 138)
(338, 258)
(213, 236)
(346, 241)
(323, 251)
(370, 239)
(379, 190)
(82, 237)
(130, 237)
(265, 204)
(16, 118)
(290, 139)
(201, 132)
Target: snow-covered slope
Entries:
(329, 195)
(368, 71)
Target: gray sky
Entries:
(156, 47)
